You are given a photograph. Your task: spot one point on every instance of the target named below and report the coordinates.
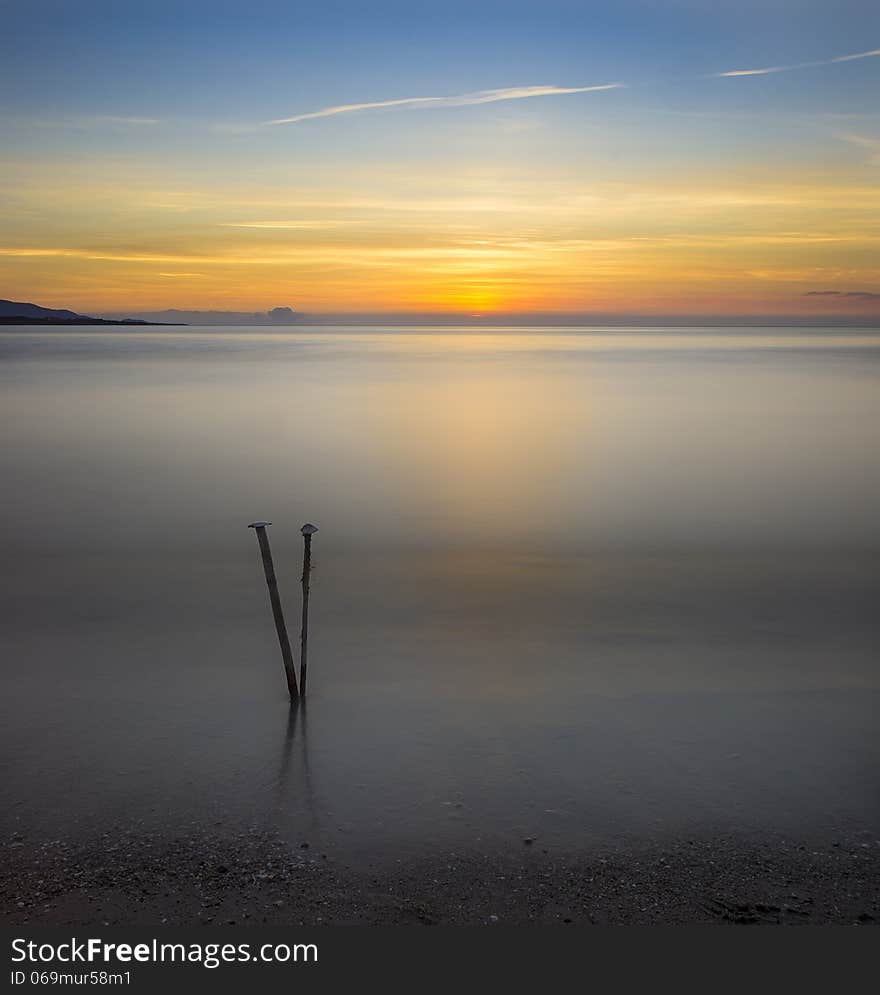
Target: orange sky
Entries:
(105, 242)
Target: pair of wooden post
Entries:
(307, 531)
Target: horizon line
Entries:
(522, 319)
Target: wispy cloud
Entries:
(454, 100)
(92, 121)
(859, 295)
(868, 142)
(757, 72)
(858, 55)
(800, 65)
(526, 92)
(134, 121)
(319, 224)
(99, 255)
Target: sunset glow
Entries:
(715, 190)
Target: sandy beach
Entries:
(138, 878)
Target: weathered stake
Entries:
(308, 531)
(274, 598)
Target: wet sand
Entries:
(138, 878)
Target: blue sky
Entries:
(252, 61)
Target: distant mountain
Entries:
(17, 309)
(21, 313)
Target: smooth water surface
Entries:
(575, 584)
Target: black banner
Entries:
(136, 959)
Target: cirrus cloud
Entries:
(800, 65)
(454, 100)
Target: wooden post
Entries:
(308, 531)
(275, 599)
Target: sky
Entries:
(635, 157)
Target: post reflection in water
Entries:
(293, 786)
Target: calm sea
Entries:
(578, 585)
